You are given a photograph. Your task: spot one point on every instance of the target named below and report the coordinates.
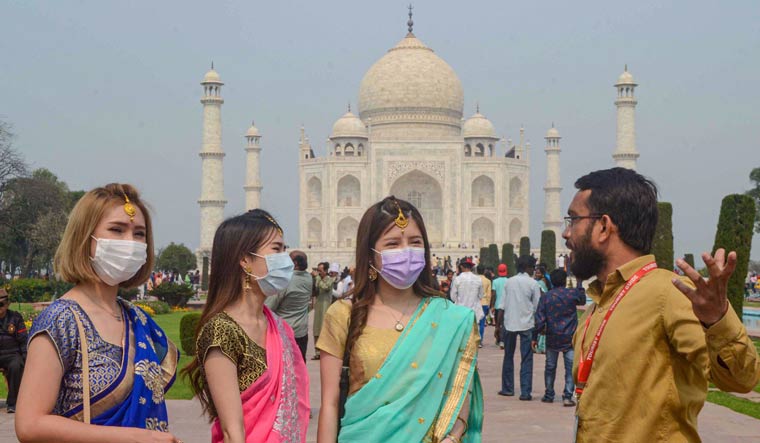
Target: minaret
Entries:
(253, 170)
(552, 188)
(304, 146)
(626, 154)
(212, 186)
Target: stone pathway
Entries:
(506, 418)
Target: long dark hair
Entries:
(376, 221)
(235, 238)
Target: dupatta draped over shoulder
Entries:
(276, 404)
(423, 383)
(127, 384)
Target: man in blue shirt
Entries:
(557, 317)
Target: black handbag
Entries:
(343, 385)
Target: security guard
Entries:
(13, 336)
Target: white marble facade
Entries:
(409, 140)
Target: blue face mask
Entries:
(279, 272)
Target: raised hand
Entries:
(710, 298)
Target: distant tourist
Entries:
(498, 303)
(323, 284)
(13, 336)
(467, 290)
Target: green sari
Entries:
(421, 387)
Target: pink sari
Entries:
(276, 405)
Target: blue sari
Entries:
(135, 397)
(422, 385)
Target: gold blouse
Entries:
(222, 332)
(369, 352)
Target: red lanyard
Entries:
(584, 368)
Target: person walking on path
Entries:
(498, 289)
(292, 304)
(485, 301)
(652, 341)
(324, 285)
(557, 318)
(467, 291)
(521, 297)
(13, 336)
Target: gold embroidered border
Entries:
(120, 392)
(458, 388)
(169, 364)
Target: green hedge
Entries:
(734, 233)
(187, 327)
(33, 290)
(524, 246)
(175, 294)
(483, 257)
(662, 244)
(508, 258)
(549, 249)
(493, 256)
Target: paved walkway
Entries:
(506, 418)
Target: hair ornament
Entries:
(129, 208)
(401, 221)
(271, 220)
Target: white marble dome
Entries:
(410, 77)
(212, 77)
(552, 133)
(478, 126)
(625, 78)
(349, 125)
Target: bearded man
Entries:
(647, 348)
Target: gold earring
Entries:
(246, 279)
(372, 274)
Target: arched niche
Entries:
(483, 232)
(483, 191)
(515, 231)
(314, 188)
(516, 193)
(428, 192)
(314, 232)
(347, 229)
(349, 191)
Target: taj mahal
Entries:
(408, 138)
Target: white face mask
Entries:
(117, 261)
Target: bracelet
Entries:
(466, 426)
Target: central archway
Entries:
(424, 192)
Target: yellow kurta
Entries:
(369, 352)
(652, 367)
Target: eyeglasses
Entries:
(4, 303)
(570, 220)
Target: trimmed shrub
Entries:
(549, 249)
(734, 233)
(175, 294)
(493, 256)
(187, 326)
(508, 258)
(662, 245)
(482, 256)
(524, 246)
(689, 258)
(33, 290)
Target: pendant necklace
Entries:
(399, 326)
(117, 317)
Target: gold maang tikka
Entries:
(129, 208)
(401, 221)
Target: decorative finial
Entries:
(212, 64)
(253, 122)
(410, 23)
(477, 107)
(349, 106)
(626, 67)
(552, 124)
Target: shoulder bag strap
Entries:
(85, 368)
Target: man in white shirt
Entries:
(467, 289)
(521, 296)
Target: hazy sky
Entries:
(109, 91)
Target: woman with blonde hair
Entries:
(410, 354)
(97, 366)
(248, 372)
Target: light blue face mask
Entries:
(279, 272)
